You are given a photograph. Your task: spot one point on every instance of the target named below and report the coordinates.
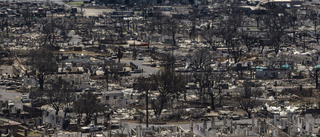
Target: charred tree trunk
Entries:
(213, 107)
(41, 80)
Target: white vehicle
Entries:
(92, 127)
(140, 57)
(10, 103)
(114, 56)
(25, 99)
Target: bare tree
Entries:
(219, 78)
(169, 85)
(195, 15)
(144, 86)
(205, 76)
(250, 41)
(276, 22)
(248, 98)
(27, 16)
(202, 70)
(114, 69)
(49, 31)
(168, 61)
(119, 52)
(171, 29)
(64, 25)
(87, 104)
(119, 27)
(209, 35)
(82, 11)
(293, 17)
(60, 95)
(87, 30)
(42, 62)
(228, 29)
(158, 22)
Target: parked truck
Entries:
(92, 127)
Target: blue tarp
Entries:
(258, 68)
(285, 66)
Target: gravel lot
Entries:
(94, 12)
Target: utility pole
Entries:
(317, 83)
(106, 74)
(172, 59)
(107, 78)
(147, 102)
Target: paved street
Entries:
(14, 96)
(280, 88)
(185, 125)
(131, 125)
(75, 39)
(146, 69)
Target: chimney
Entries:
(212, 123)
(175, 128)
(138, 131)
(191, 125)
(237, 131)
(205, 124)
